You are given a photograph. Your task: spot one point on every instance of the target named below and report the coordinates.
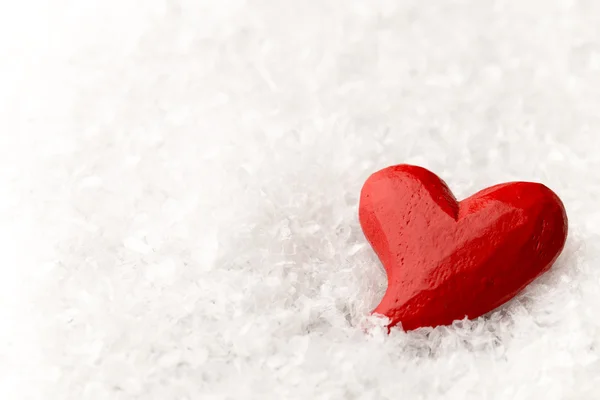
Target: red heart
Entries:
(446, 259)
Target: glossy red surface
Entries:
(446, 259)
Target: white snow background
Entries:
(180, 179)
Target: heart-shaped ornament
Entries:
(446, 259)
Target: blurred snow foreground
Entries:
(180, 183)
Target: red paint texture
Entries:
(446, 259)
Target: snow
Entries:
(179, 188)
